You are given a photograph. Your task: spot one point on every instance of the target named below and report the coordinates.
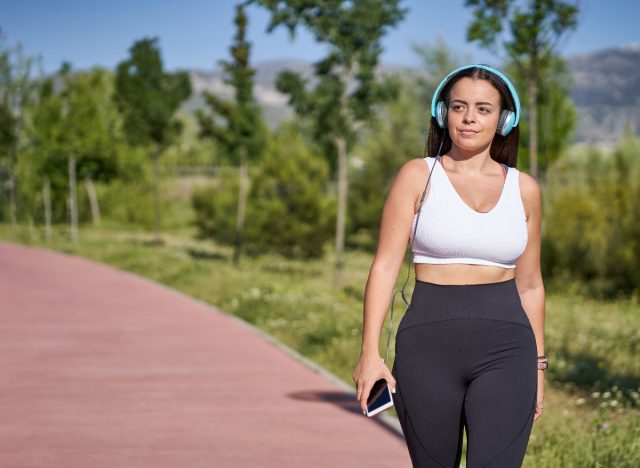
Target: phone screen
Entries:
(379, 398)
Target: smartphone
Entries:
(379, 398)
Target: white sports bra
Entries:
(452, 232)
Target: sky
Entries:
(195, 34)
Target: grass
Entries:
(592, 403)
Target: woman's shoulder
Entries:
(417, 166)
(413, 174)
(529, 186)
(529, 192)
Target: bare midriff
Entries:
(458, 273)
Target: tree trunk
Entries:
(73, 200)
(93, 201)
(32, 229)
(242, 205)
(156, 195)
(12, 201)
(343, 186)
(533, 120)
(46, 199)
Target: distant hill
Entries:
(606, 90)
(274, 104)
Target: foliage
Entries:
(242, 132)
(392, 141)
(73, 116)
(557, 115)
(127, 199)
(591, 230)
(346, 89)
(535, 27)
(436, 61)
(241, 126)
(353, 31)
(16, 93)
(147, 96)
(288, 209)
(216, 208)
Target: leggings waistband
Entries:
(431, 302)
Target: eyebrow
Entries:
(477, 103)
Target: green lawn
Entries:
(592, 402)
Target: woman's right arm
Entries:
(395, 231)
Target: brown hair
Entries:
(504, 149)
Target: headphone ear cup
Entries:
(441, 114)
(505, 124)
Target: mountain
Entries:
(606, 90)
(274, 104)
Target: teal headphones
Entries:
(508, 119)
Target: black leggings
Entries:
(466, 357)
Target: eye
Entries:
(484, 110)
(457, 107)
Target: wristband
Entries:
(543, 363)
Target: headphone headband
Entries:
(512, 89)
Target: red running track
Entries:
(100, 368)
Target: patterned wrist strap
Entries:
(543, 363)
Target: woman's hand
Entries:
(370, 368)
(539, 405)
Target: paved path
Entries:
(100, 368)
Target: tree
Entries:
(242, 135)
(535, 29)
(557, 114)
(148, 98)
(437, 60)
(72, 116)
(337, 107)
(16, 90)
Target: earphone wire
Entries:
(415, 229)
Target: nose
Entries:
(469, 116)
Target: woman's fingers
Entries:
(539, 408)
(365, 381)
(365, 394)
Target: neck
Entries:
(470, 162)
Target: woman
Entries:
(470, 349)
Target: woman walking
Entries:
(470, 348)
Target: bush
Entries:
(216, 209)
(288, 210)
(591, 229)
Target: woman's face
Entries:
(473, 114)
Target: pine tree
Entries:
(242, 133)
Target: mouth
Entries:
(467, 131)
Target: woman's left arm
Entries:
(528, 272)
